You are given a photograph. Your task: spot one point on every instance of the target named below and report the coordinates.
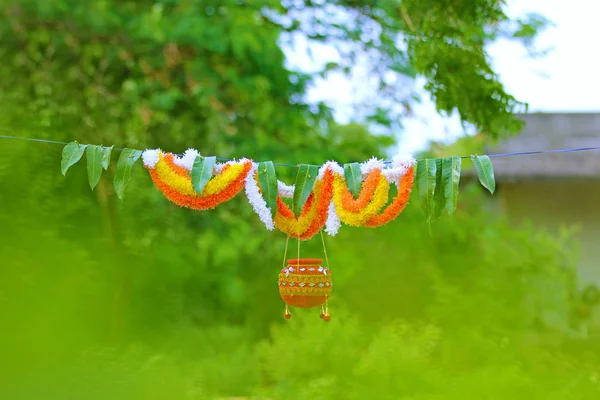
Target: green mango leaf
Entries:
(268, 184)
(94, 164)
(353, 178)
(127, 158)
(485, 172)
(105, 151)
(452, 166)
(71, 154)
(426, 177)
(439, 202)
(202, 172)
(305, 180)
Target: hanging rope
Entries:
(519, 153)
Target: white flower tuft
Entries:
(285, 190)
(370, 165)
(187, 161)
(400, 164)
(333, 223)
(219, 168)
(256, 200)
(150, 157)
(333, 166)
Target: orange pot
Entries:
(305, 283)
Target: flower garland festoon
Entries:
(366, 209)
(314, 213)
(171, 175)
(329, 204)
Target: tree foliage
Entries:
(175, 72)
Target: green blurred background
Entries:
(140, 299)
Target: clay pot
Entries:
(305, 283)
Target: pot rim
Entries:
(305, 261)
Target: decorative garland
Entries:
(329, 203)
(171, 176)
(400, 201)
(314, 214)
(322, 198)
(345, 206)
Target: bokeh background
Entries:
(140, 299)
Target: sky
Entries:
(565, 80)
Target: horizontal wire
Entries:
(32, 139)
(519, 153)
(525, 153)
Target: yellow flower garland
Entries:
(379, 200)
(294, 227)
(184, 184)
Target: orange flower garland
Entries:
(400, 201)
(322, 206)
(179, 179)
(360, 217)
(286, 221)
(314, 213)
(366, 209)
(175, 182)
(366, 192)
